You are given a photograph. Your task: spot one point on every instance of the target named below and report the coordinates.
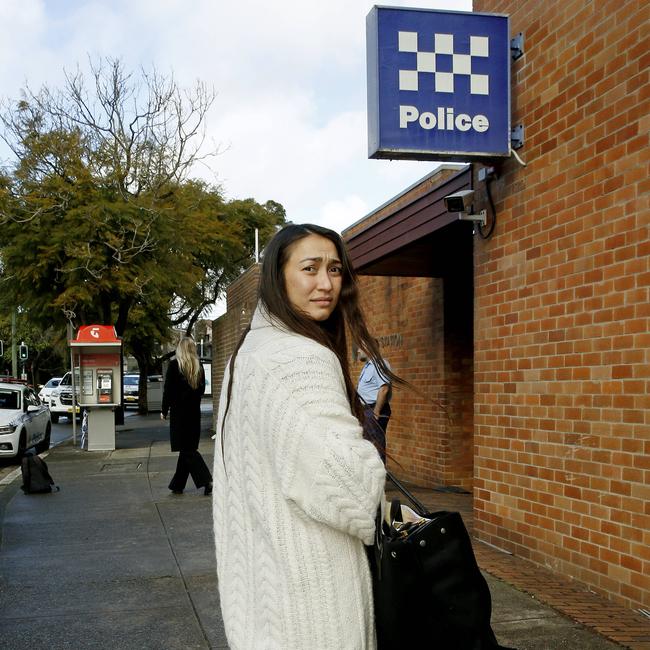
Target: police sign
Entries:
(438, 84)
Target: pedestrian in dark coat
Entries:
(184, 387)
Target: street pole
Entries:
(74, 389)
(14, 347)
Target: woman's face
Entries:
(313, 276)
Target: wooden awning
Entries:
(414, 238)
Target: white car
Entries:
(60, 401)
(44, 393)
(24, 421)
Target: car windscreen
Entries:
(53, 383)
(9, 399)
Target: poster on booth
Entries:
(105, 385)
(438, 84)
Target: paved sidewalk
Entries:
(563, 613)
(114, 560)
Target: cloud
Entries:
(281, 153)
(341, 213)
(289, 75)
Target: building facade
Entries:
(529, 351)
(559, 352)
(562, 311)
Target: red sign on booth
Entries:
(99, 334)
(94, 360)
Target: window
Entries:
(9, 399)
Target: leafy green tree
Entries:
(47, 348)
(99, 218)
(219, 237)
(86, 210)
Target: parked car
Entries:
(61, 398)
(131, 388)
(44, 393)
(24, 420)
(132, 391)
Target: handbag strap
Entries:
(395, 511)
(420, 508)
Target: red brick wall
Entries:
(430, 432)
(562, 311)
(241, 298)
(459, 380)
(430, 435)
(417, 323)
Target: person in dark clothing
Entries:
(184, 387)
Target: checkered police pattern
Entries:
(461, 63)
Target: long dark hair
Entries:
(331, 333)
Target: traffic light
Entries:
(23, 352)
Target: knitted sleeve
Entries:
(325, 466)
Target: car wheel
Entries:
(22, 441)
(44, 445)
(54, 417)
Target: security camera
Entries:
(459, 201)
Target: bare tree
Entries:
(139, 134)
(100, 161)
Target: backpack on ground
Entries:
(36, 477)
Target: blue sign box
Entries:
(438, 84)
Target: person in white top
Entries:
(374, 389)
(296, 485)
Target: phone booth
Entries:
(96, 353)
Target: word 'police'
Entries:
(443, 119)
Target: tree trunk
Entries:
(143, 401)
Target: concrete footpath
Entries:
(114, 560)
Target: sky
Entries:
(290, 76)
(289, 117)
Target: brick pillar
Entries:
(424, 326)
(458, 459)
(562, 343)
(241, 298)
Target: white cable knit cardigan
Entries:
(296, 500)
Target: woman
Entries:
(184, 387)
(298, 485)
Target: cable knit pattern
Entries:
(294, 501)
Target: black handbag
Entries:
(427, 587)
